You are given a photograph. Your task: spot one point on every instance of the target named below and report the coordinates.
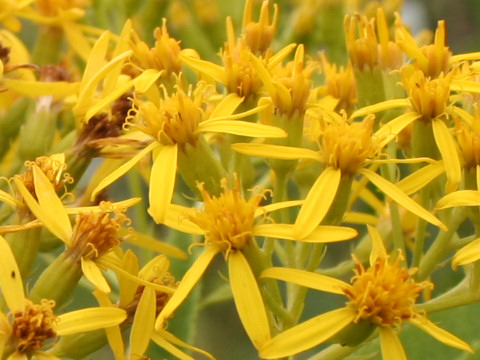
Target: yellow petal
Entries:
(401, 198)
(51, 205)
(146, 79)
(94, 275)
(440, 334)
(124, 204)
(11, 285)
(308, 279)
(420, 178)
(248, 299)
(355, 217)
(8, 199)
(143, 323)
(213, 70)
(147, 242)
(51, 223)
(59, 89)
(321, 234)
(448, 150)
(242, 128)
(468, 254)
(307, 334)
(390, 344)
(459, 198)
(128, 287)
(391, 129)
(122, 170)
(17, 356)
(88, 319)
(378, 249)
(276, 151)
(385, 105)
(174, 340)
(77, 41)
(162, 182)
(318, 202)
(277, 206)
(158, 338)
(177, 218)
(226, 106)
(191, 277)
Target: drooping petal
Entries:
(143, 322)
(420, 178)
(321, 234)
(459, 198)
(52, 224)
(378, 249)
(158, 338)
(276, 151)
(51, 204)
(94, 275)
(191, 277)
(242, 128)
(307, 278)
(390, 344)
(248, 299)
(88, 319)
(440, 334)
(318, 202)
(467, 254)
(307, 334)
(11, 285)
(122, 170)
(448, 150)
(162, 182)
(401, 198)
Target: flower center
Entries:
(95, 233)
(229, 218)
(34, 325)
(384, 294)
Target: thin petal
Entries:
(440, 334)
(277, 206)
(51, 205)
(146, 79)
(191, 277)
(164, 344)
(8, 199)
(148, 242)
(127, 286)
(242, 128)
(378, 249)
(307, 278)
(248, 299)
(390, 344)
(459, 198)
(401, 198)
(11, 285)
(122, 170)
(448, 150)
(143, 323)
(94, 275)
(468, 254)
(174, 340)
(385, 105)
(307, 334)
(318, 202)
(178, 218)
(276, 151)
(88, 319)
(391, 129)
(206, 67)
(162, 182)
(420, 178)
(227, 106)
(59, 89)
(321, 234)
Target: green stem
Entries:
(24, 245)
(47, 45)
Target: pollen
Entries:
(384, 294)
(346, 146)
(33, 326)
(95, 233)
(228, 219)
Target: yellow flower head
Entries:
(384, 294)
(468, 138)
(175, 119)
(54, 7)
(346, 146)
(339, 83)
(228, 219)
(432, 59)
(33, 325)
(259, 35)
(428, 97)
(369, 51)
(94, 234)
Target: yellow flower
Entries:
(382, 296)
(229, 224)
(174, 125)
(29, 328)
(346, 149)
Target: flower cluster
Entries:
(164, 159)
